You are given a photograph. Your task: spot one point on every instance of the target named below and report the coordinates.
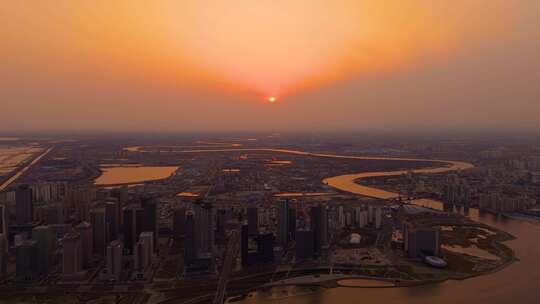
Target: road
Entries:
(230, 257)
(23, 170)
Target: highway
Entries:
(24, 169)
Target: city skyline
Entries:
(204, 66)
(221, 219)
(269, 151)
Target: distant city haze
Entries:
(197, 65)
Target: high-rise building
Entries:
(78, 195)
(72, 258)
(42, 192)
(122, 196)
(378, 217)
(253, 220)
(87, 242)
(46, 244)
(4, 223)
(150, 217)
(147, 239)
(139, 257)
(361, 216)
(111, 220)
(133, 226)
(179, 223)
(292, 224)
(341, 217)
(319, 226)
(244, 245)
(348, 218)
(357, 216)
(221, 224)
(304, 244)
(27, 261)
(315, 224)
(83, 211)
(115, 260)
(204, 228)
(23, 205)
(421, 241)
(189, 243)
(265, 248)
(283, 223)
(99, 230)
(144, 250)
(53, 214)
(371, 213)
(3, 255)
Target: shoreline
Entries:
(354, 181)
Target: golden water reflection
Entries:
(130, 175)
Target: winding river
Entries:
(516, 283)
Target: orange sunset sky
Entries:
(197, 65)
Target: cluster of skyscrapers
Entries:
(118, 233)
(121, 233)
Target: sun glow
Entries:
(227, 44)
(305, 43)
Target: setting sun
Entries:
(266, 61)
